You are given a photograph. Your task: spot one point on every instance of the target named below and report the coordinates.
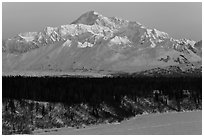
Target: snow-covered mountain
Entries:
(94, 43)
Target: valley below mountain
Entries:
(32, 104)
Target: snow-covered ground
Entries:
(183, 123)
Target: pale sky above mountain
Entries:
(179, 20)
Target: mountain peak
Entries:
(88, 18)
(93, 12)
(104, 43)
(95, 18)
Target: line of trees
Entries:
(96, 90)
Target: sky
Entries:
(179, 20)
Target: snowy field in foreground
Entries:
(184, 123)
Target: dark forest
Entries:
(127, 96)
(96, 90)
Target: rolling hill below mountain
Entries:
(94, 43)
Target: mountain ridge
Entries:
(96, 43)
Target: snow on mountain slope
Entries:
(94, 18)
(97, 43)
(198, 48)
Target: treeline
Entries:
(31, 103)
(96, 90)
